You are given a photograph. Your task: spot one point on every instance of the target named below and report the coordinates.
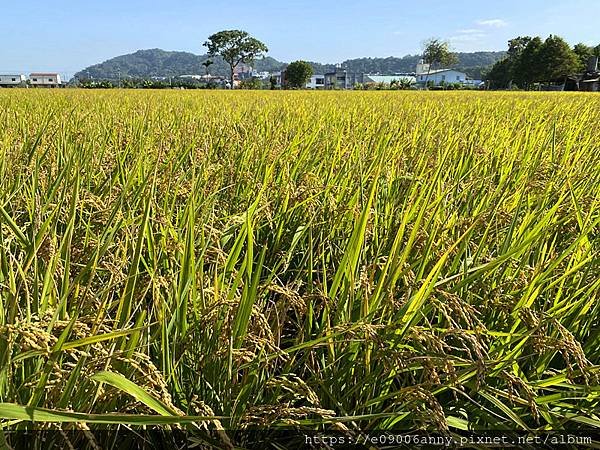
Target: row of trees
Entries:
(531, 60)
(143, 83)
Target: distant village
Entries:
(339, 79)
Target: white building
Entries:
(279, 78)
(316, 82)
(13, 80)
(422, 67)
(45, 80)
(424, 75)
(264, 75)
(389, 79)
(438, 77)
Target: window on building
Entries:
(457, 77)
(443, 77)
(14, 79)
(320, 80)
(50, 80)
(35, 79)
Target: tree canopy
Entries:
(584, 53)
(532, 60)
(235, 47)
(436, 52)
(298, 73)
(557, 59)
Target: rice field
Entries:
(219, 261)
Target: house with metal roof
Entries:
(588, 81)
(441, 76)
(12, 80)
(426, 75)
(591, 84)
(45, 80)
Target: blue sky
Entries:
(37, 35)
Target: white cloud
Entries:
(494, 23)
(468, 35)
(472, 37)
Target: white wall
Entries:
(44, 79)
(7, 80)
(449, 76)
(316, 82)
(422, 68)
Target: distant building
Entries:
(389, 79)
(12, 80)
(316, 82)
(590, 81)
(279, 78)
(424, 75)
(47, 80)
(422, 67)
(440, 76)
(264, 75)
(242, 72)
(342, 79)
(213, 78)
(591, 84)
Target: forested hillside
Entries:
(161, 63)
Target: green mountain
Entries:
(161, 63)
(473, 64)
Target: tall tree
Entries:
(583, 52)
(437, 53)
(298, 73)
(501, 74)
(528, 68)
(517, 45)
(558, 59)
(235, 47)
(530, 60)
